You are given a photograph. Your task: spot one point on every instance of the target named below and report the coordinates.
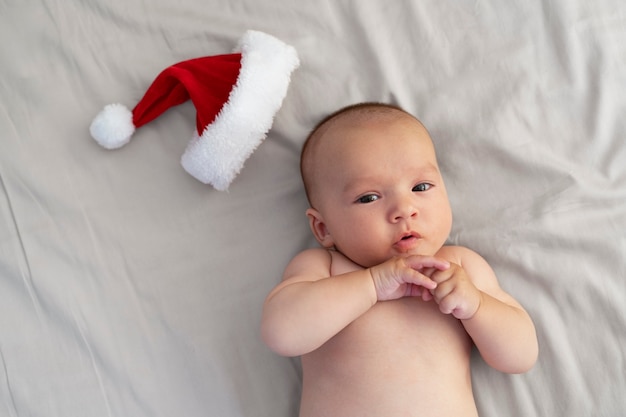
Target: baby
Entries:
(384, 315)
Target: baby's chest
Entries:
(408, 324)
(406, 339)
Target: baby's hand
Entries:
(455, 293)
(404, 276)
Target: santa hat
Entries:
(236, 97)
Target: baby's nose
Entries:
(405, 209)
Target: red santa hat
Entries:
(236, 97)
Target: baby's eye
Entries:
(367, 199)
(424, 186)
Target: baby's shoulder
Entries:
(317, 263)
(316, 255)
(457, 254)
(314, 262)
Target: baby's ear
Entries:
(319, 229)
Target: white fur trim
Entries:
(113, 126)
(217, 156)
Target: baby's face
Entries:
(381, 192)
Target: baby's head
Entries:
(356, 115)
(372, 179)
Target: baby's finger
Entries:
(443, 290)
(407, 274)
(440, 276)
(428, 271)
(419, 263)
(450, 303)
(419, 279)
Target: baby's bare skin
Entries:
(385, 315)
(402, 357)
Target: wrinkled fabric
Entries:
(128, 288)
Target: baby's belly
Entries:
(402, 357)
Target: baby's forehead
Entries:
(357, 145)
(364, 116)
(358, 119)
(322, 144)
(335, 131)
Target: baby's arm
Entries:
(499, 326)
(309, 307)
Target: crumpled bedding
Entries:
(128, 288)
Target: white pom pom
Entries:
(113, 126)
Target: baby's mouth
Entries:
(407, 241)
(411, 235)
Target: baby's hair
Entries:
(360, 111)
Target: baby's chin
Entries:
(370, 261)
(418, 250)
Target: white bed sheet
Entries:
(127, 288)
